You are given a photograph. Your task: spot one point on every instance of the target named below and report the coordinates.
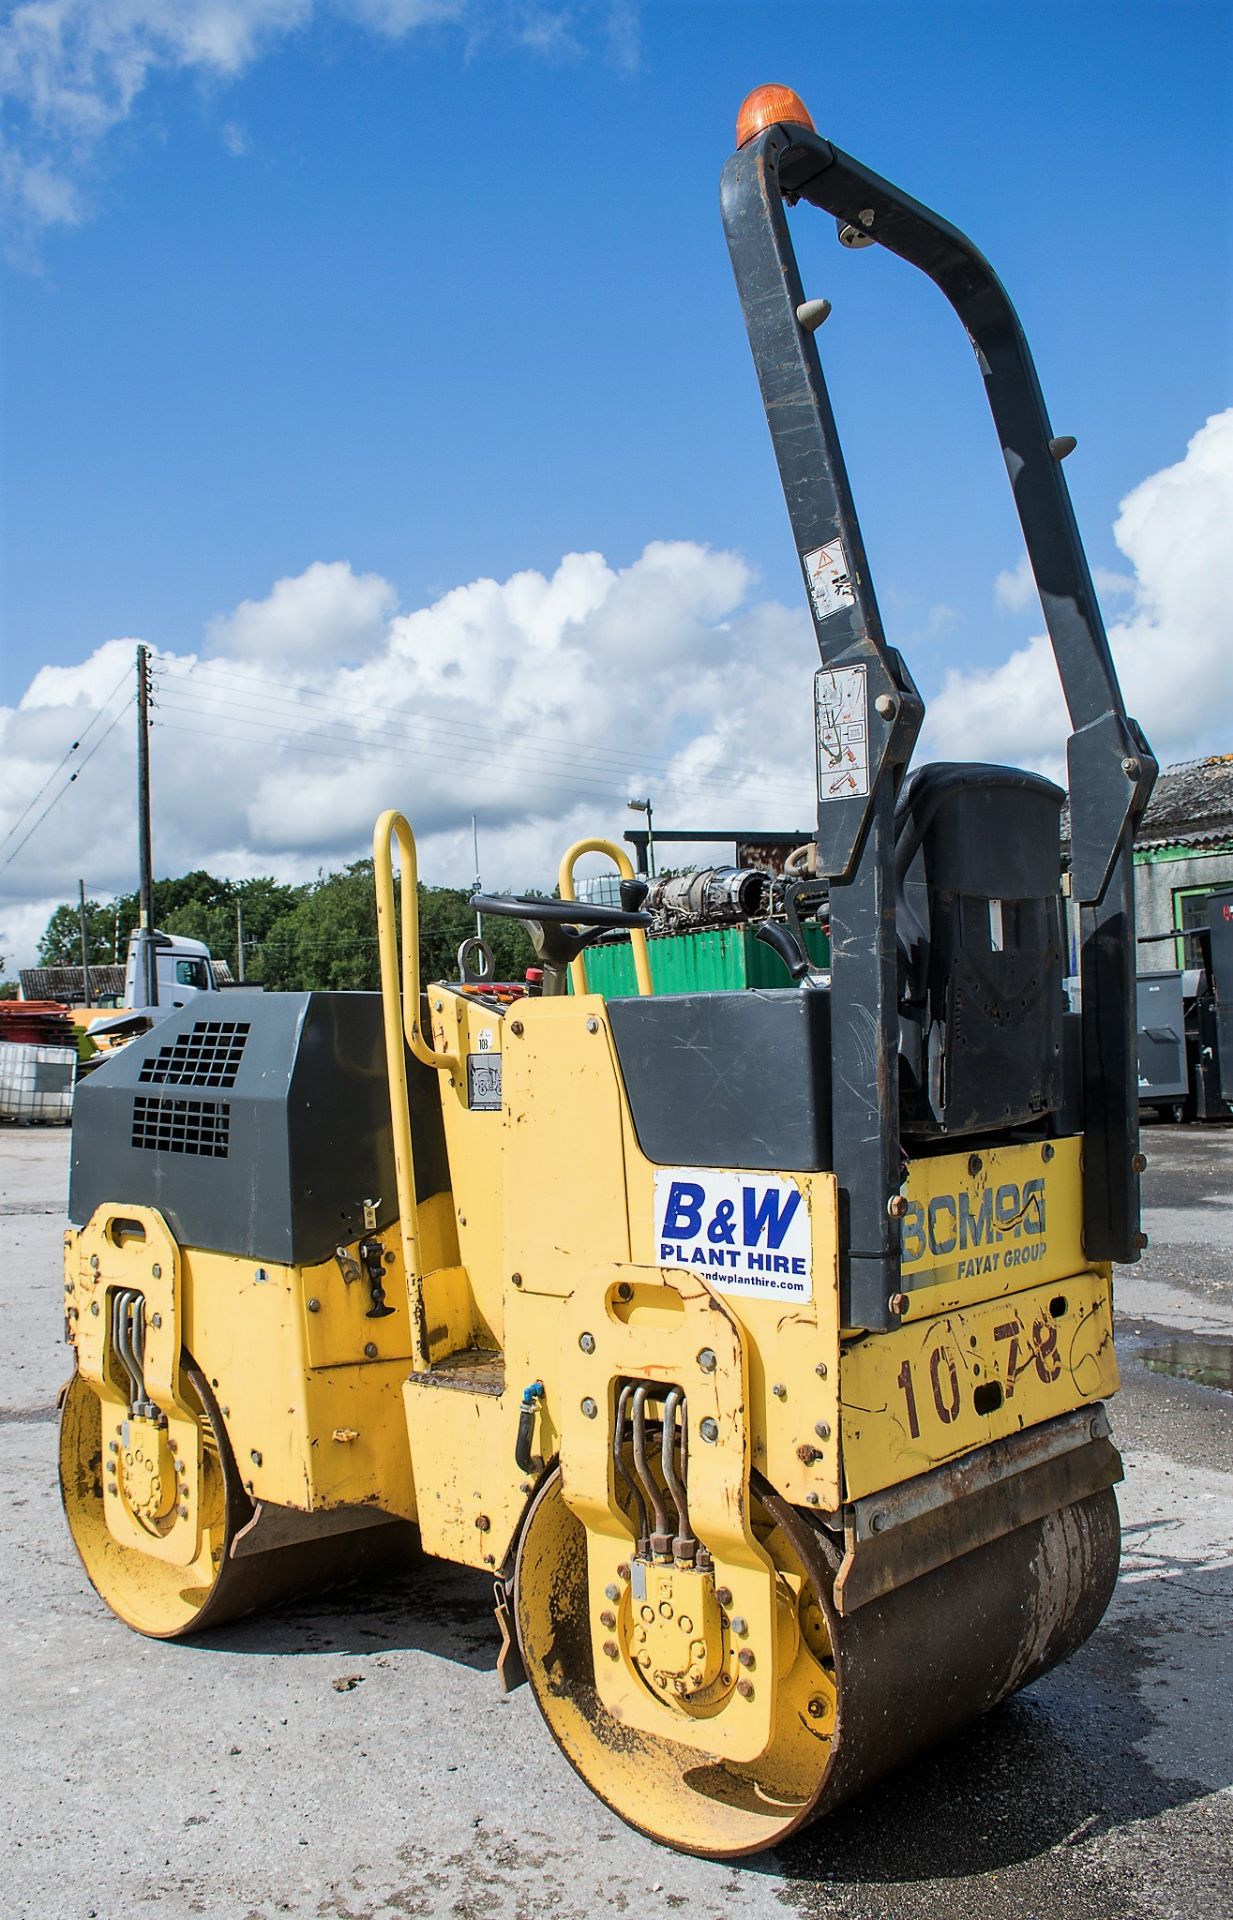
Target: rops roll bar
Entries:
(1110, 766)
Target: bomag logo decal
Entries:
(972, 1232)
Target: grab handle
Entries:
(625, 867)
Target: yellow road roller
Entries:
(758, 1343)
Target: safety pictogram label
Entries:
(841, 708)
(830, 583)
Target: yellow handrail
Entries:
(400, 1009)
(625, 867)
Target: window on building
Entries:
(1190, 910)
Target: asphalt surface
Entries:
(237, 1777)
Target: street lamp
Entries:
(644, 806)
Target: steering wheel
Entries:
(559, 929)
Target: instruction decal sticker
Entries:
(841, 711)
(745, 1233)
(830, 583)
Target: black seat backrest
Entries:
(978, 864)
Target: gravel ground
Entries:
(234, 1777)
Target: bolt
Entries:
(94, 1263)
(515, 1026)
(612, 1591)
(111, 1487)
(820, 1369)
(823, 1430)
(697, 1649)
(644, 1660)
(624, 1291)
(1138, 1163)
(1130, 767)
(897, 1206)
(589, 1408)
(515, 1279)
(745, 1689)
(685, 1623)
(1047, 1152)
(94, 1308)
(779, 1390)
(739, 1624)
(314, 1306)
(623, 1570)
(661, 1679)
(111, 1466)
(184, 1513)
(899, 1303)
(813, 1499)
(725, 1679)
(592, 1025)
(885, 705)
(483, 1522)
(724, 1596)
(255, 1457)
(707, 1361)
(587, 1342)
(370, 1350)
(817, 1708)
(156, 1319)
(612, 1650)
(709, 1430)
(746, 1657)
(807, 1455)
(157, 1271)
(437, 1005)
(607, 1618)
(648, 1614)
(178, 1465)
(865, 216)
(391, 1257)
(877, 1521)
(665, 1610)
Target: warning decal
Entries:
(841, 707)
(830, 584)
(745, 1232)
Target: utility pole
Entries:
(239, 942)
(85, 945)
(148, 969)
(479, 922)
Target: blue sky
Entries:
(453, 302)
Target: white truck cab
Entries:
(184, 967)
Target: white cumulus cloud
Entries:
(539, 703)
(1171, 643)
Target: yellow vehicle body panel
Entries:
(938, 1388)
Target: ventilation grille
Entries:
(182, 1126)
(208, 1055)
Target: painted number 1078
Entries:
(1023, 1352)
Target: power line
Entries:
(447, 723)
(567, 772)
(84, 735)
(68, 783)
(546, 749)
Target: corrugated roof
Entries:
(1191, 799)
(64, 983)
(1191, 805)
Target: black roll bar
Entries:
(1111, 770)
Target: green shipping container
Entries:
(706, 961)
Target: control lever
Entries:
(791, 951)
(633, 893)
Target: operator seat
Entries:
(979, 911)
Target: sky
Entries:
(378, 364)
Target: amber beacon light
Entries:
(769, 107)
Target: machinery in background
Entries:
(1185, 1025)
(757, 1343)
